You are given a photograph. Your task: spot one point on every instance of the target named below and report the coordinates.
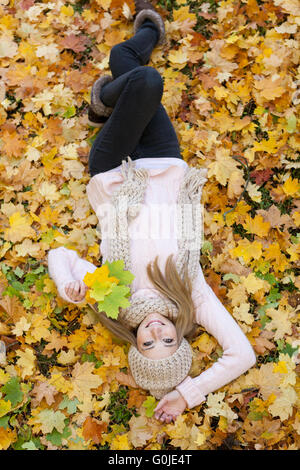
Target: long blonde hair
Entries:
(170, 285)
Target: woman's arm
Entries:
(238, 354)
(65, 267)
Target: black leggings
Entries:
(139, 125)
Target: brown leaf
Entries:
(135, 398)
(74, 42)
(126, 379)
(44, 390)
(93, 429)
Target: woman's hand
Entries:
(76, 290)
(170, 407)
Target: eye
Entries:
(147, 343)
(168, 340)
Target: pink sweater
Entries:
(165, 175)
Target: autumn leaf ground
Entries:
(231, 87)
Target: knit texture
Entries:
(160, 376)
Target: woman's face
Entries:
(156, 337)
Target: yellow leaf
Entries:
(21, 326)
(67, 357)
(201, 438)
(77, 339)
(217, 407)
(120, 442)
(257, 225)
(284, 404)
(247, 250)
(60, 383)
(204, 343)
(291, 186)
(179, 58)
(280, 367)
(7, 437)
(20, 228)
(222, 167)
(68, 11)
(26, 362)
(83, 380)
(253, 283)
(5, 407)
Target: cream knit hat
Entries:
(160, 376)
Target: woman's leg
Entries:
(139, 125)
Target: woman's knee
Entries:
(148, 79)
(115, 54)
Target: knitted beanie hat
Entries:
(160, 376)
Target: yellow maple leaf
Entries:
(222, 167)
(247, 250)
(60, 383)
(217, 407)
(5, 406)
(280, 322)
(120, 442)
(84, 380)
(21, 326)
(204, 343)
(67, 357)
(20, 228)
(284, 404)
(7, 437)
(77, 339)
(291, 186)
(273, 252)
(39, 328)
(26, 362)
(253, 283)
(257, 225)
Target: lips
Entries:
(154, 321)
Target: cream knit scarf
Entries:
(127, 201)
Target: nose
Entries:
(156, 331)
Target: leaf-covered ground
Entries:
(232, 89)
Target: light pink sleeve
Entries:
(238, 354)
(65, 266)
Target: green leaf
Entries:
(4, 422)
(100, 289)
(13, 391)
(71, 111)
(116, 269)
(18, 271)
(29, 446)
(116, 299)
(206, 246)
(56, 437)
(232, 276)
(51, 419)
(286, 348)
(70, 405)
(150, 404)
(291, 123)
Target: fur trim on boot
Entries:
(156, 18)
(96, 105)
(94, 119)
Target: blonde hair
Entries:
(170, 285)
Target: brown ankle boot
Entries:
(144, 10)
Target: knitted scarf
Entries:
(127, 201)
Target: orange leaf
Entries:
(93, 429)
